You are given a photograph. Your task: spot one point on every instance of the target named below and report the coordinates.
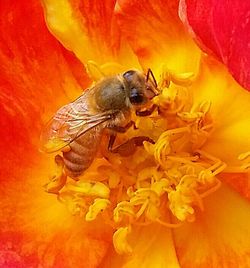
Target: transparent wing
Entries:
(70, 122)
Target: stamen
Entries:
(208, 156)
(169, 225)
(184, 160)
(142, 209)
(120, 241)
(167, 76)
(245, 158)
(211, 190)
(122, 209)
(171, 176)
(162, 146)
(98, 206)
(90, 189)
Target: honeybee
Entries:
(108, 104)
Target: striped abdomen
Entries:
(82, 153)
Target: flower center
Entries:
(171, 176)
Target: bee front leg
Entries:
(127, 148)
(146, 112)
(57, 182)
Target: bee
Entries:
(79, 125)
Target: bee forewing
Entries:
(56, 133)
(70, 122)
(54, 136)
(53, 145)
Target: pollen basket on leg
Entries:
(170, 175)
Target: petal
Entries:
(37, 75)
(152, 247)
(156, 35)
(224, 29)
(219, 236)
(89, 29)
(239, 182)
(229, 109)
(47, 234)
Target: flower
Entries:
(170, 203)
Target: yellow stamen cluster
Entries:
(245, 158)
(171, 176)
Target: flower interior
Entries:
(162, 183)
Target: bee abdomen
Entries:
(82, 153)
(73, 157)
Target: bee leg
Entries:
(127, 148)
(119, 129)
(150, 73)
(123, 129)
(112, 138)
(146, 112)
(57, 182)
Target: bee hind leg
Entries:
(123, 129)
(57, 181)
(127, 148)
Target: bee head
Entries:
(140, 87)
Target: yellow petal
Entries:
(157, 36)
(152, 247)
(89, 30)
(41, 228)
(230, 111)
(219, 236)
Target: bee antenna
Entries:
(150, 73)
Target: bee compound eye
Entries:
(127, 75)
(136, 97)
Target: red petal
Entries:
(222, 27)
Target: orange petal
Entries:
(152, 247)
(156, 35)
(39, 230)
(231, 115)
(220, 235)
(239, 182)
(89, 29)
(37, 76)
